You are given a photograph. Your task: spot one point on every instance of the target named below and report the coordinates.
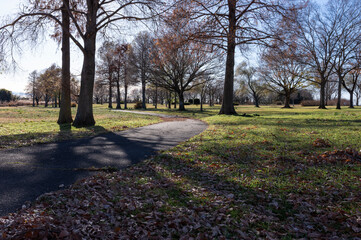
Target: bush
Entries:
(235, 104)
(344, 102)
(196, 101)
(138, 105)
(306, 103)
(73, 104)
(190, 101)
(16, 103)
(187, 103)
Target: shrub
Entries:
(187, 103)
(196, 101)
(138, 105)
(306, 103)
(235, 104)
(190, 101)
(344, 102)
(73, 104)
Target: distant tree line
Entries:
(45, 86)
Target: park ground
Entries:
(269, 173)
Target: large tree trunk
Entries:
(227, 103)
(339, 87)
(351, 100)
(287, 99)
(256, 100)
(181, 101)
(322, 94)
(65, 104)
(84, 116)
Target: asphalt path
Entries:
(28, 172)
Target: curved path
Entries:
(26, 173)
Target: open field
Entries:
(21, 126)
(270, 174)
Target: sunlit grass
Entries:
(21, 126)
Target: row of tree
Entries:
(319, 47)
(216, 24)
(46, 86)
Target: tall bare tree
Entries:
(231, 23)
(141, 59)
(87, 19)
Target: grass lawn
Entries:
(21, 126)
(271, 174)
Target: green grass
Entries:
(265, 160)
(21, 126)
(249, 177)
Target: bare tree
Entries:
(87, 19)
(231, 23)
(318, 43)
(254, 84)
(180, 64)
(346, 17)
(31, 88)
(141, 59)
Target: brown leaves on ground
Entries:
(178, 196)
(347, 156)
(321, 143)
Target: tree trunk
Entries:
(287, 99)
(351, 100)
(46, 100)
(170, 100)
(125, 96)
(118, 95)
(339, 87)
(322, 94)
(256, 100)
(84, 116)
(55, 101)
(227, 103)
(156, 97)
(65, 104)
(144, 106)
(181, 101)
(110, 99)
(175, 100)
(33, 93)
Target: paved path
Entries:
(26, 173)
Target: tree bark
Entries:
(322, 94)
(118, 95)
(110, 99)
(351, 100)
(84, 116)
(227, 103)
(144, 106)
(156, 96)
(339, 87)
(287, 99)
(65, 104)
(170, 100)
(181, 101)
(125, 97)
